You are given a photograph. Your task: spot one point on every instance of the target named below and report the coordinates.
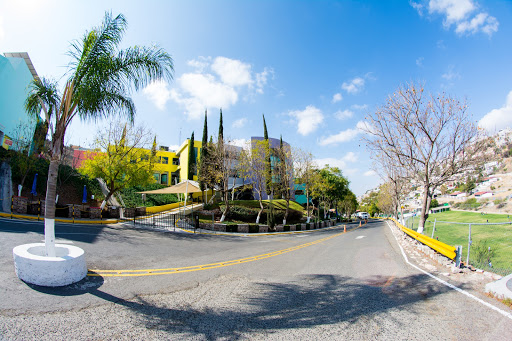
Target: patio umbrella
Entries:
(187, 186)
(84, 197)
(33, 191)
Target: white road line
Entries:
(502, 312)
(360, 237)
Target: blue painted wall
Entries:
(14, 80)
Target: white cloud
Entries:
(217, 83)
(262, 77)
(498, 119)
(240, 123)
(232, 72)
(308, 119)
(200, 91)
(200, 64)
(463, 14)
(419, 61)
(158, 92)
(354, 86)
(450, 74)
(360, 106)
(342, 136)
(343, 114)
(369, 173)
(350, 157)
(337, 97)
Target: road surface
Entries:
(323, 284)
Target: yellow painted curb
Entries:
(40, 218)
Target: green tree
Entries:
(221, 128)
(191, 158)
(204, 150)
(100, 79)
(125, 160)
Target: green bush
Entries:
(286, 228)
(470, 204)
(133, 199)
(298, 227)
(254, 228)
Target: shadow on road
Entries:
(306, 302)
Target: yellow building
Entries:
(166, 167)
(172, 166)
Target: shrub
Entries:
(286, 228)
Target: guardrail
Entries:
(444, 249)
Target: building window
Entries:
(176, 161)
(299, 192)
(165, 160)
(164, 178)
(157, 177)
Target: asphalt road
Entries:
(352, 285)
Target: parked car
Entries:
(363, 215)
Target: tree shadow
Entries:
(306, 302)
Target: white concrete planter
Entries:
(32, 266)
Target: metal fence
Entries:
(488, 245)
(164, 220)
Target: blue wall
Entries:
(14, 80)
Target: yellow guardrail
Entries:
(156, 209)
(444, 249)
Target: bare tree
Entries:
(220, 165)
(284, 174)
(430, 136)
(396, 181)
(303, 169)
(253, 167)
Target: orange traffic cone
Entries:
(360, 223)
(344, 228)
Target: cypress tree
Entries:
(204, 153)
(269, 165)
(191, 158)
(221, 128)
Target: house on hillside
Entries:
(458, 195)
(483, 194)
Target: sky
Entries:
(315, 69)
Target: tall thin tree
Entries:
(191, 158)
(221, 128)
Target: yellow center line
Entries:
(153, 272)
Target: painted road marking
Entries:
(153, 272)
(360, 237)
(449, 285)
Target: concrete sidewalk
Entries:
(501, 288)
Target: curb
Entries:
(71, 221)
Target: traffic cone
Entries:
(344, 228)
(360, 223)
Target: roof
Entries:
(482, 193)
(26, 57)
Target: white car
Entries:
(363, 215)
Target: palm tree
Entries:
(100, 80)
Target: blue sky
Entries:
(314, 68)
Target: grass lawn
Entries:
(279, 204)
(498, 237)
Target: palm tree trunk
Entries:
(49, 215)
